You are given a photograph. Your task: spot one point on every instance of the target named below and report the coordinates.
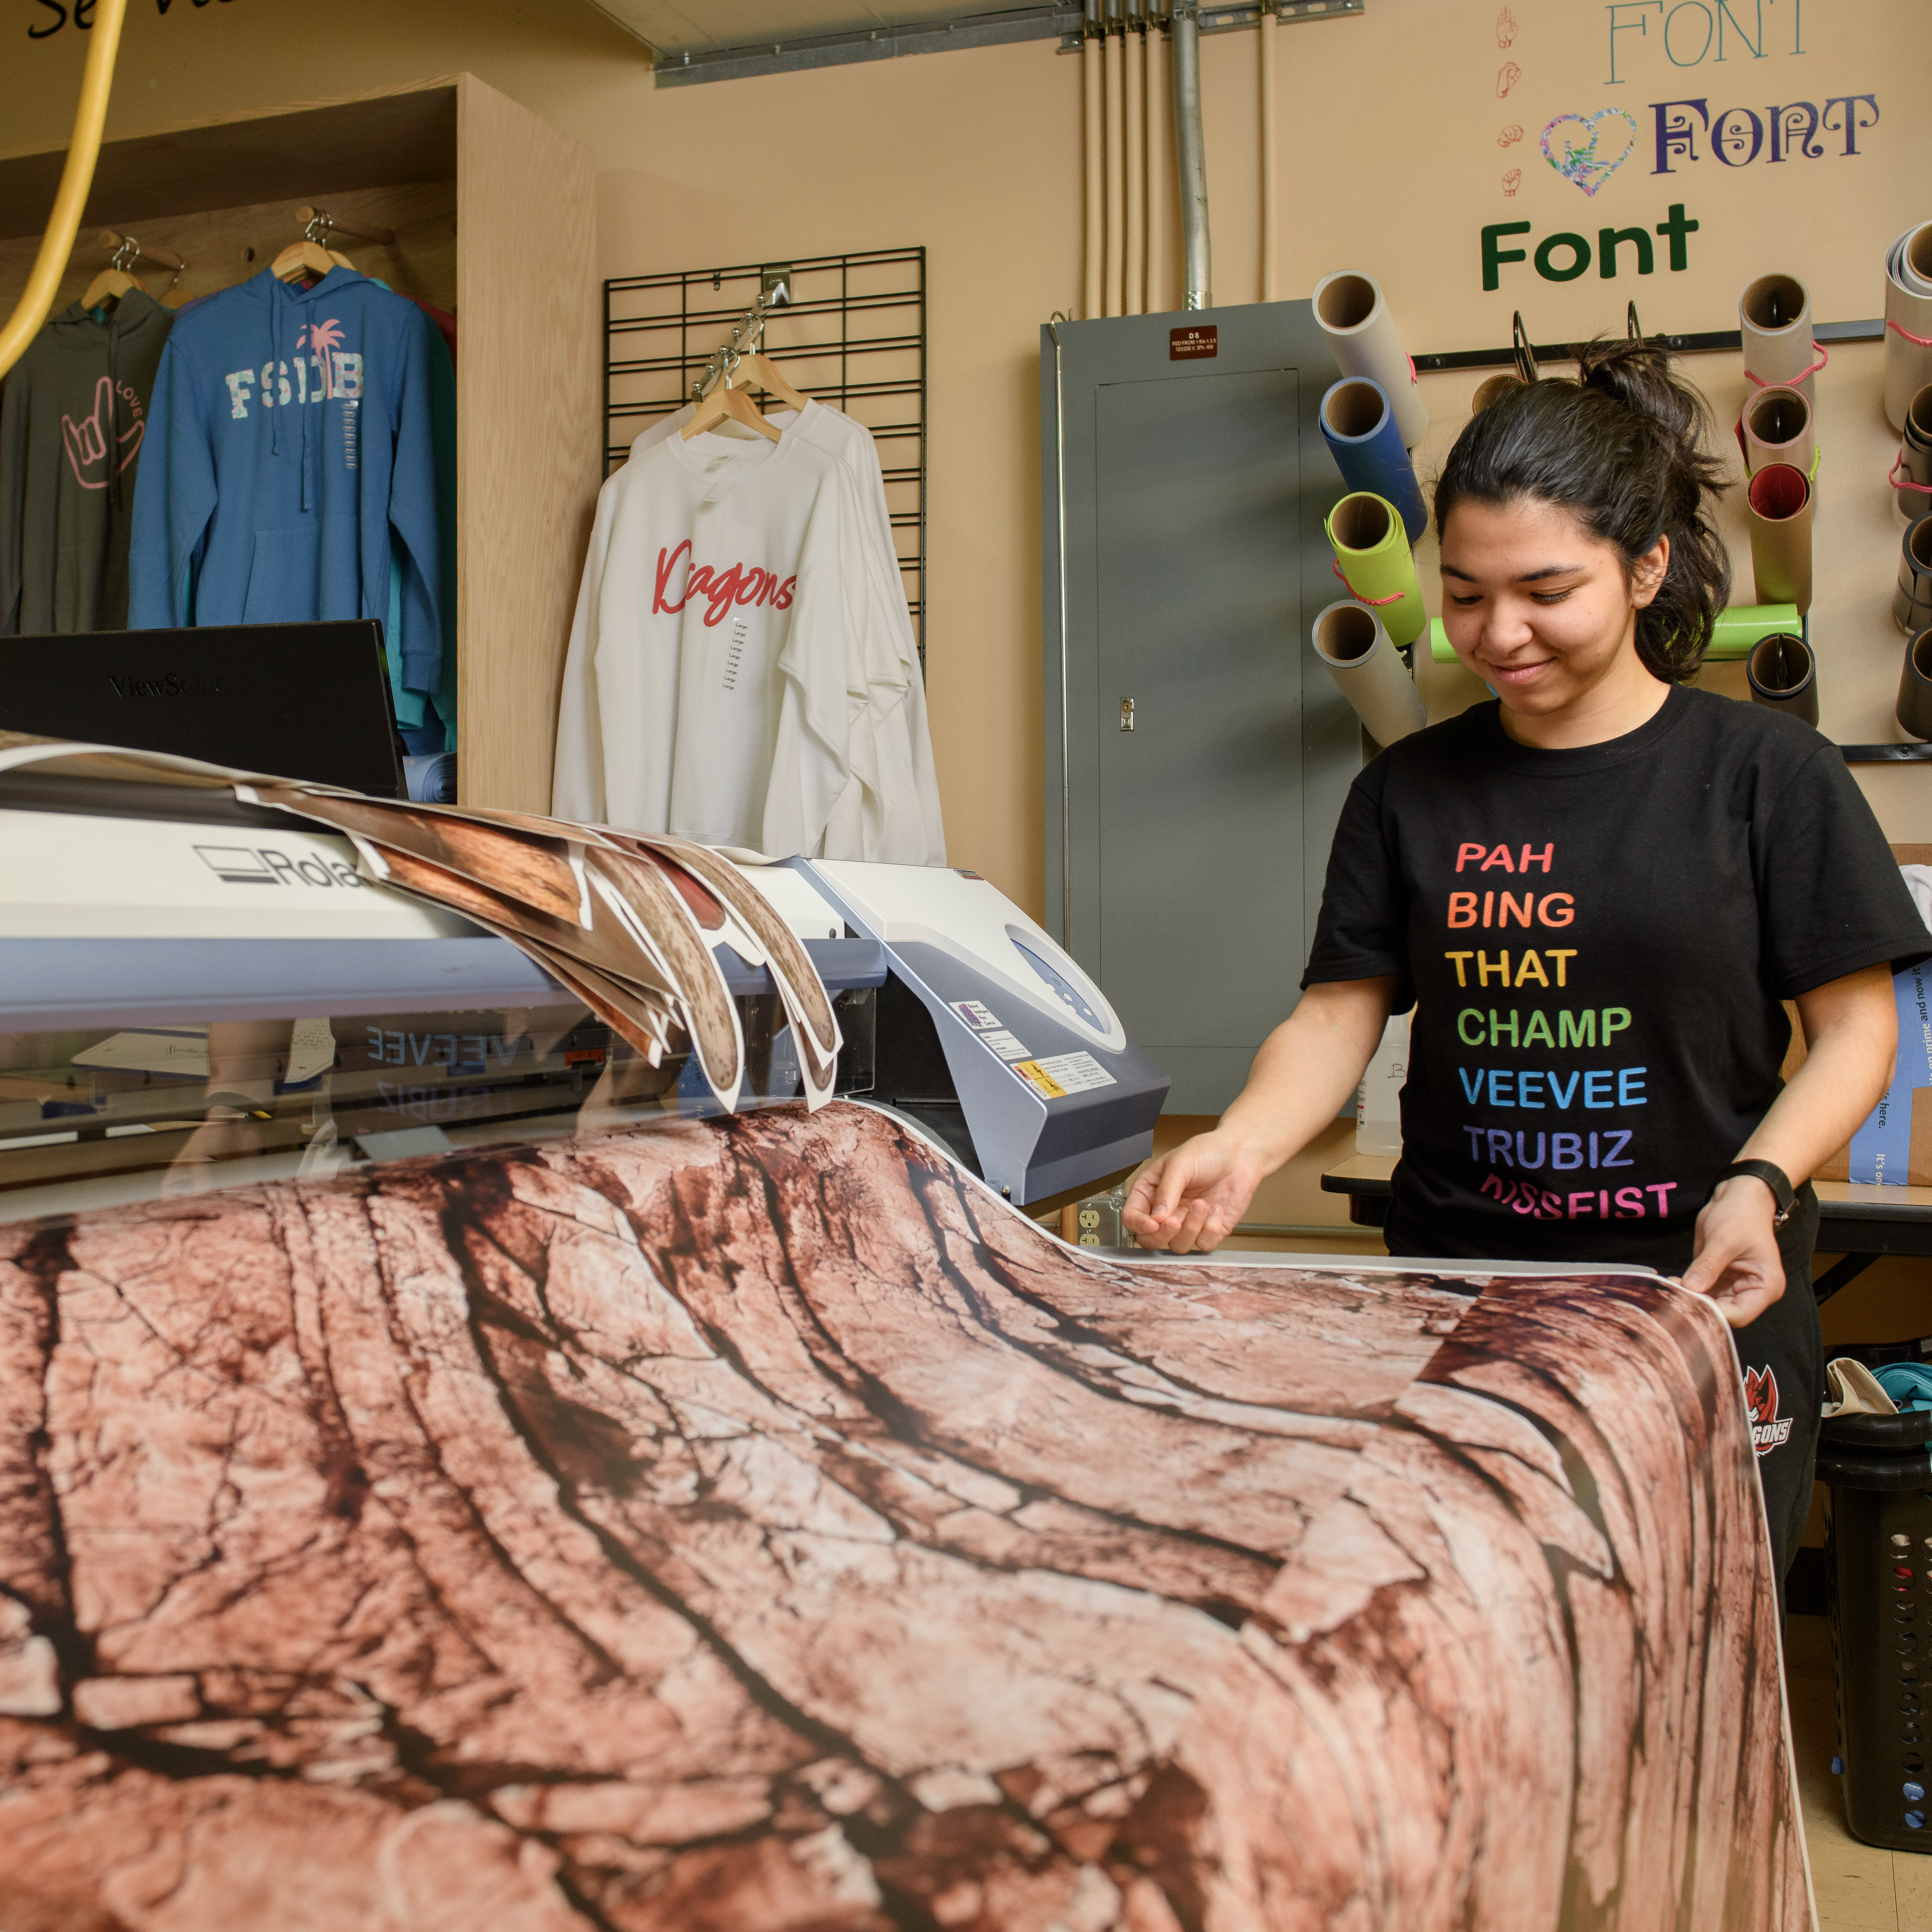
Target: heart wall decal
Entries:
(1577, 153)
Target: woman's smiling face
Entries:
(1541, 610)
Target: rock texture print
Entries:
(754, 1526)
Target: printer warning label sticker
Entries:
(987, 1029)
(1064, 1073)
(1009, 1046)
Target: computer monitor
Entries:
(294, 701)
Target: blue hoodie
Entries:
(290, 454)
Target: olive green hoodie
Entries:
(74, 412)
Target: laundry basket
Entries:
(1878, 1471)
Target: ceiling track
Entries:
(1068, 24)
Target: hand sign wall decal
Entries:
(87, 441)
(1510, 136)
(1512, 180)
(1506, 28)
(1507, 75)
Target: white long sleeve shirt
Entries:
(895, 818)
(715, 665)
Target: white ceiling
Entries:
(681, 26)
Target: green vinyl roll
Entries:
(1375, 565)
(1732, 638)
(1743, 625)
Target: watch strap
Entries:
(1773, 1176)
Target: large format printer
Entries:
(169, 957)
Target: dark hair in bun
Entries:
(1621, 447)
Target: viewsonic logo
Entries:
(1768, 1432)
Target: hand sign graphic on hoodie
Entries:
(90, 441)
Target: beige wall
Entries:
(1387, 159)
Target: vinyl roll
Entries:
(1783, 676)
(1373, 560)
(1915, 688)
(1908, 321)
(1912, 601)
(1778, 505)
(1741, 626)
(1351, 640)
(1736, 630)
(1359, 426)
(1911, 476)
(1492, 391)
(1350, 311)
(1778, 428)
(1775, 318)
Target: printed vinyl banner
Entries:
(1570, 156)
(757, 1525)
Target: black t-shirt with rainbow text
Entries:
(1596, 941)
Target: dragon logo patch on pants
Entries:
(1768, 1431)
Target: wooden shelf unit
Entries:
(494, 215)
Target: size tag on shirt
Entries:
(1063, 1074)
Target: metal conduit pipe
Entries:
(1270, 258)
(1191, 158)
(1091, 164)
(1115, 68)
(1134, 46)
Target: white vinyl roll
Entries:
(1351, 312)
(1368, 669)
(1908, 321)
(1775, 318)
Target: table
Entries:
(1857, 1221)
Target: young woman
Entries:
(1595, 892)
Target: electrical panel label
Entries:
(1198, 340)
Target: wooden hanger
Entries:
(763, 372)
(114, 281)
(723, 401)
(304, 258)
(110, 285)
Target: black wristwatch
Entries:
(1773, 1176)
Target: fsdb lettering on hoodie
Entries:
(327, 373)
(720, 590)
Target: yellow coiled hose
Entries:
(77, 177)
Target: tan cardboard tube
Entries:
(1908, 315)
(1350, 312)
(1774, 317)
(1778, 505)
(1351, 640)
(1912, 601)
(1915, 688)
(1778, 428)
(1783, 676)
(1493, 391)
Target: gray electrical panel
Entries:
(1197, 752)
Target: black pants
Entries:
(1782, 1356)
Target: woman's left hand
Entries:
(1735, 1260)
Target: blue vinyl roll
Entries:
(1360, 429)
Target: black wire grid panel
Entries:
(853, 335)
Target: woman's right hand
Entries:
(1194, 1197)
